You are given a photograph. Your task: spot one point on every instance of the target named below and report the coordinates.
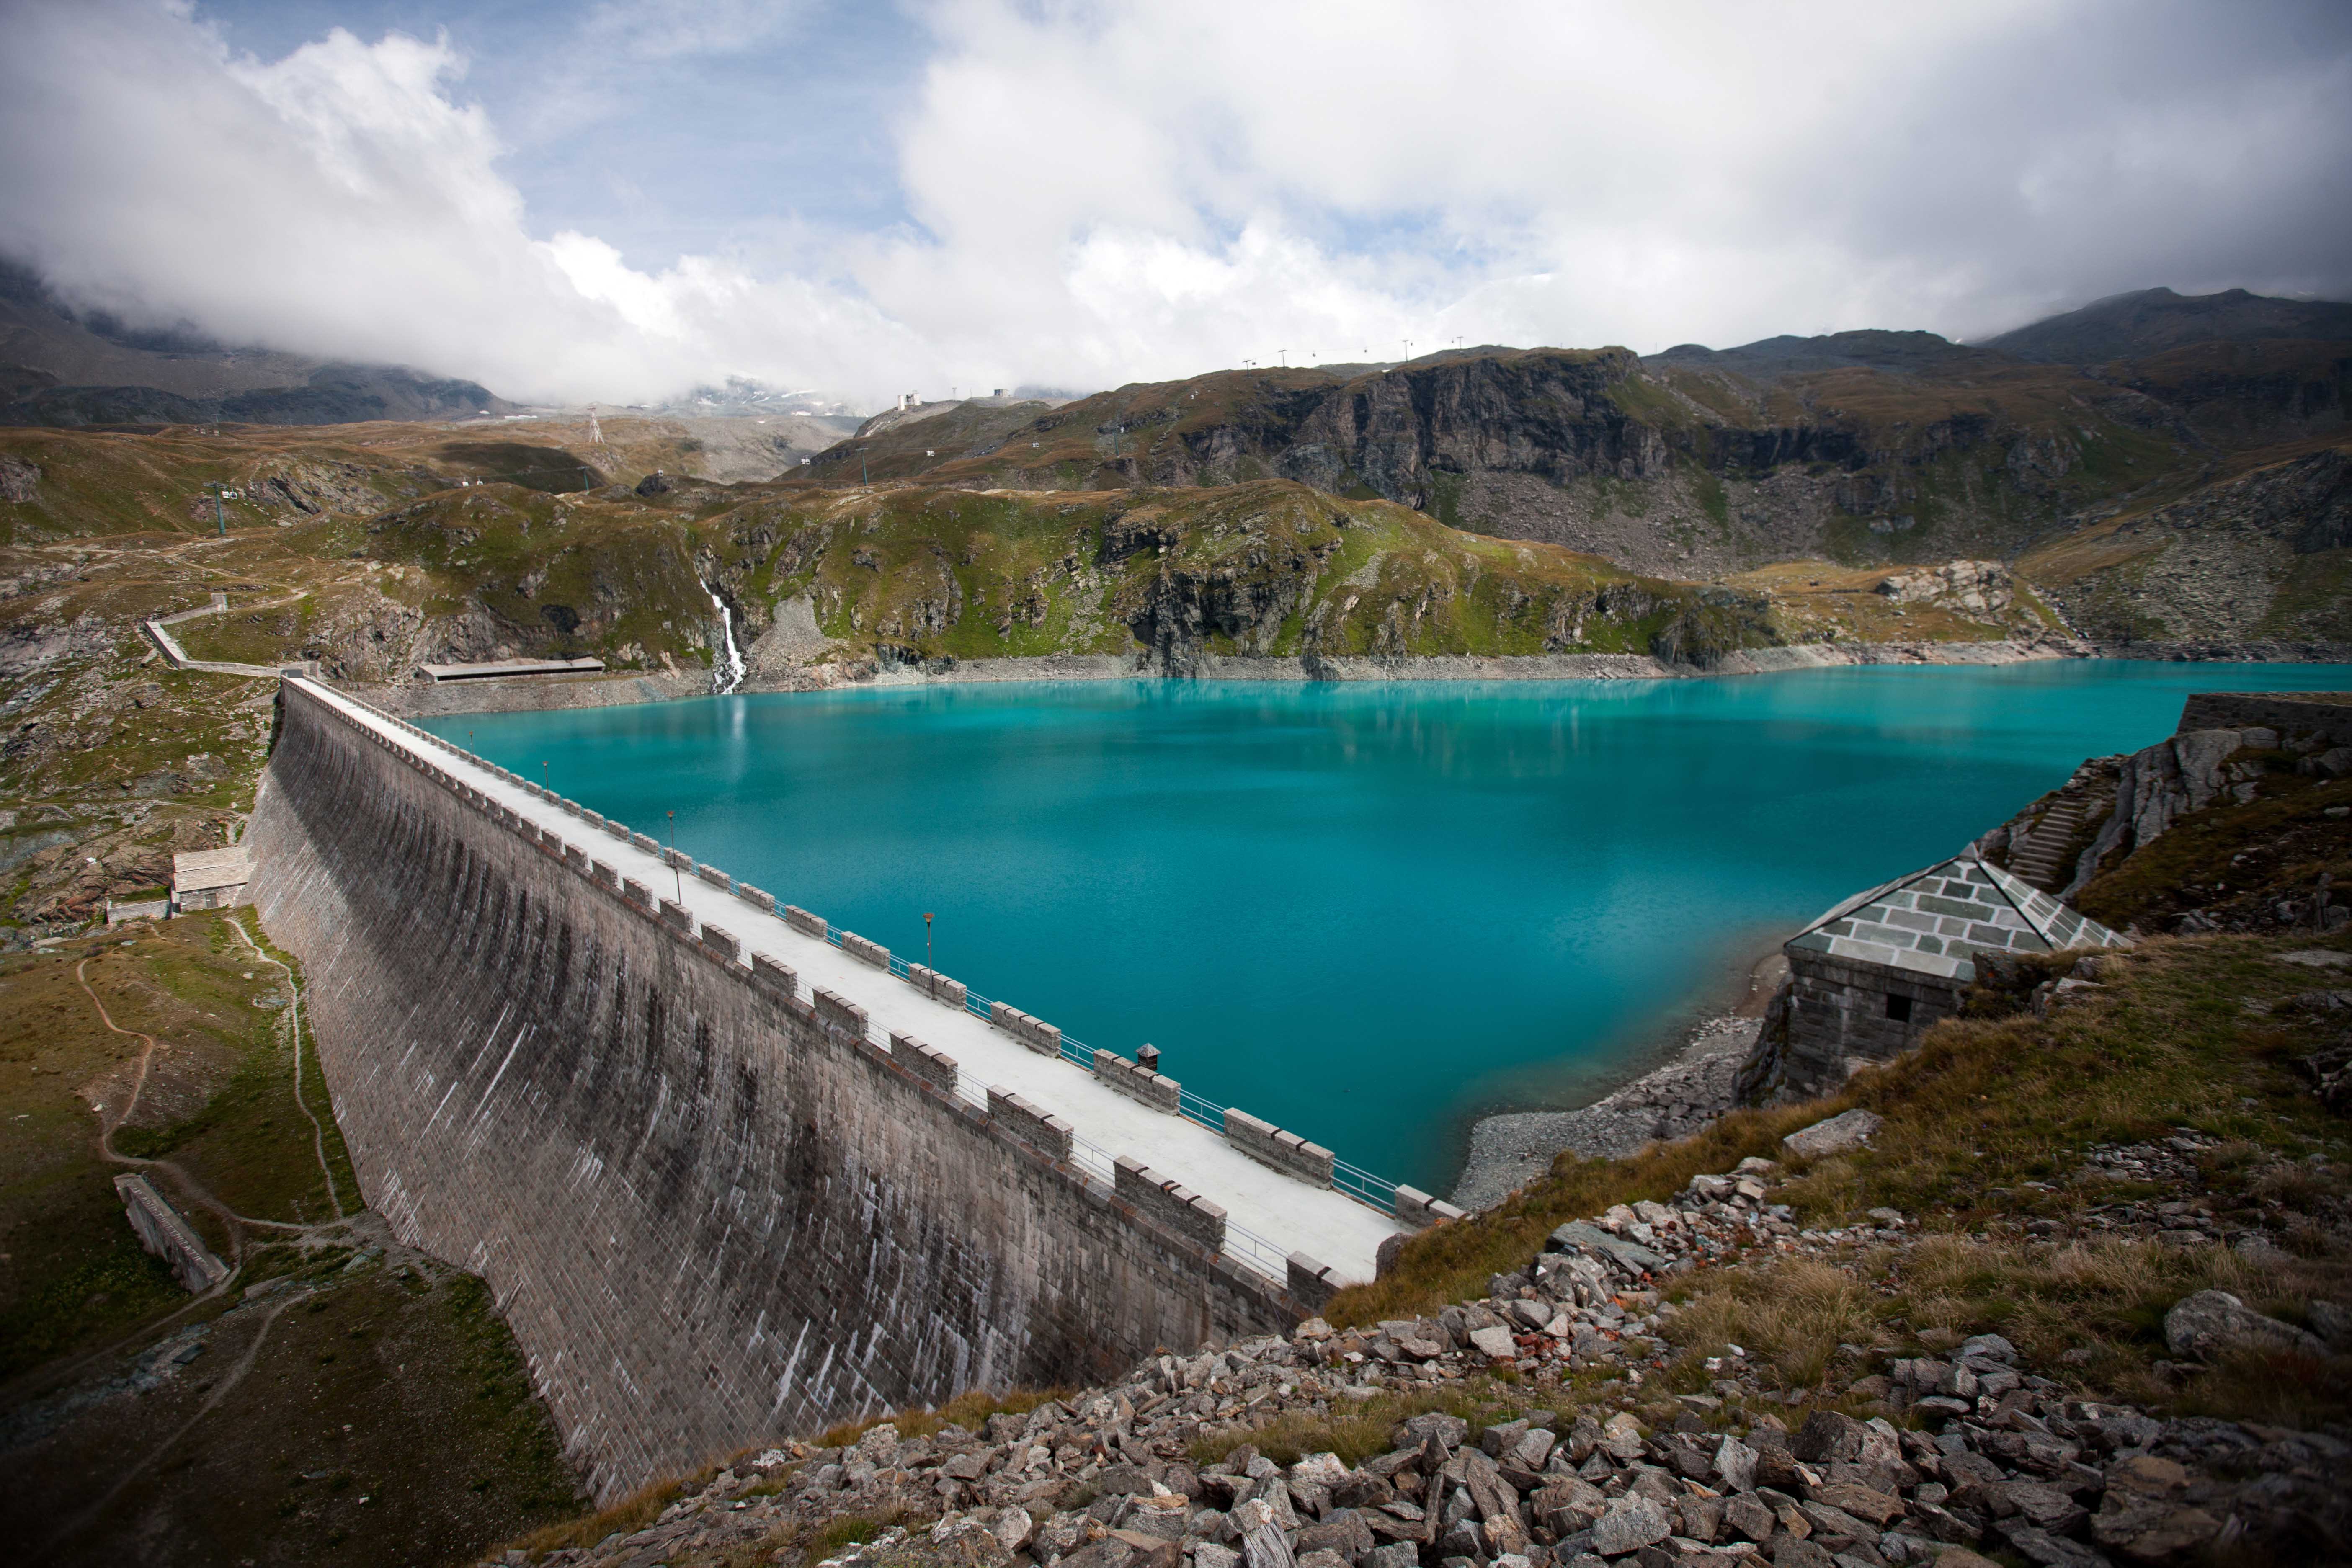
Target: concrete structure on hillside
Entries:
(210, 879)
(731, 1172)
(1869, 977)
(509, 668)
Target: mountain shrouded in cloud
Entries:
(1085, 197)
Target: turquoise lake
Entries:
(1366, 912)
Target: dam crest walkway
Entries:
(1270, 1214)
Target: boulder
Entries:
(1631, 1522)
(2213, 1322)
(1494, 1344)
(1840, 1134)
(1577, 1235)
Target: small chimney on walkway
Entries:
(1148, 1058)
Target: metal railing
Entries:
(1258, 1254)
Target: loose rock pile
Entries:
(2000, 1459)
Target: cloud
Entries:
(1087, 195)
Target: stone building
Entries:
(1867, 978)
(210, 879)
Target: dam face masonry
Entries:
(712, 1209)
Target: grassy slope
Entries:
(443, 1433)
(1989, 1124)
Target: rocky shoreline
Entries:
(1513, 1148)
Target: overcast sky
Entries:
(617, 200)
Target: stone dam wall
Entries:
(711, 1214)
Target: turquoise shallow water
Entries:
(1366, 912)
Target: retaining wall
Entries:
(713, 1213)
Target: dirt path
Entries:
(294, 1014)
(220, 1391)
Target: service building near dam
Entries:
(732, 1173)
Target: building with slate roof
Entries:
(1867, 978)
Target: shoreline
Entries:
(551, 693)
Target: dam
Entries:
(731, 1172)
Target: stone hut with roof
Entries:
(1866, 979)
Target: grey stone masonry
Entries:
(935, 986)
(604, 877)
(637, 893)
(644, 841)
(619, 831)
(594, 819)
(764, 902)
(722, 942)
(1840, 1012)
(925, 1062)
(1270, 1145)
(1416, 1207)
(715, 877)
(1137, 1083)
(1035, 1033)
(1039, 1128)
(807, 924)
(678, 917)
(1312, 1282)
(162, 1232)
(777, 977)
(1167, 1202)
(2296, 716)
(577, 857)
(864, 952)
(840, 1012)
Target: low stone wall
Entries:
(715, 877)
(1416, 1207)
(864, 952)
(1035, 1033)
(1031, 1124)
(162, 1232)
(776, 977)
(937, 986)
(1138, 1082)
(807, 924)
(2293, 715)
(841, 1013)
(1168, 1202)
(925, 1062)
(1270, 1145)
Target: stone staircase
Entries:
(2045, 853)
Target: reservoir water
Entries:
(1365, 913)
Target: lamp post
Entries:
(677, 876)
(927, 940)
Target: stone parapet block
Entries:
(840, 1012)
(1312, 1283)
(577, 857)
(722, 942)
(644, 841)
(937, 986)
(1285, 1151)
(1032, 1124)
(1035, 1033)
(678, 858)
(1168, 1202)
(926, 1062)
(619, 831)
(604, 877)
(678, 917)
(1416, 1207)
(1137, 1083)
(594, 818)
(162, 1232)
(764, 902)
(807, 924)
(715, 877)
(775, 977)
(638, 894)
(864, 952)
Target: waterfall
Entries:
(729, 675)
